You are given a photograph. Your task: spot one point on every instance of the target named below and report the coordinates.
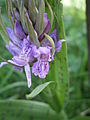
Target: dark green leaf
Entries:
(26, 110)
(59, 67)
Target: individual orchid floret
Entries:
(41, 67)
(22, 57)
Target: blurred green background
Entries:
(13, 83)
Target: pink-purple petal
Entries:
(19, 61)
(28, 74)
(40, 69)
(3, 63)
(14, 63)
(13, 49)
(19, 30)
(13, 38)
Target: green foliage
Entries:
(13, 83)
(26, 110)
(82, 118)
(74, 19)
(38, 90)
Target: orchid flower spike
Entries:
(31, 45)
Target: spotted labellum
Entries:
(30, 42)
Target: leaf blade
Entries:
(38, 90)
(25, 110)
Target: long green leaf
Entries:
(26, 110)
(38, 90)
(12, 86)
(59, 67)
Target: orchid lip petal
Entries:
(3, 63)
(14, 63)
(28, 74)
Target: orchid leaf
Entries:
(40, 18)
(59, 67)
(32, 35)
(26, 110)
(38, 90)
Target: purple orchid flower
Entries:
(41, 67)
(24, 50)
(23, 53)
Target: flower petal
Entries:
(40, 69)
(45, 19)
(13, 38)
(28, 74)
(14, 63)
(19, 61)
(13, 49)
(54, 36)
(19, 30)
(58, 45)
(3, 63)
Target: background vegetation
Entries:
(13, 84)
